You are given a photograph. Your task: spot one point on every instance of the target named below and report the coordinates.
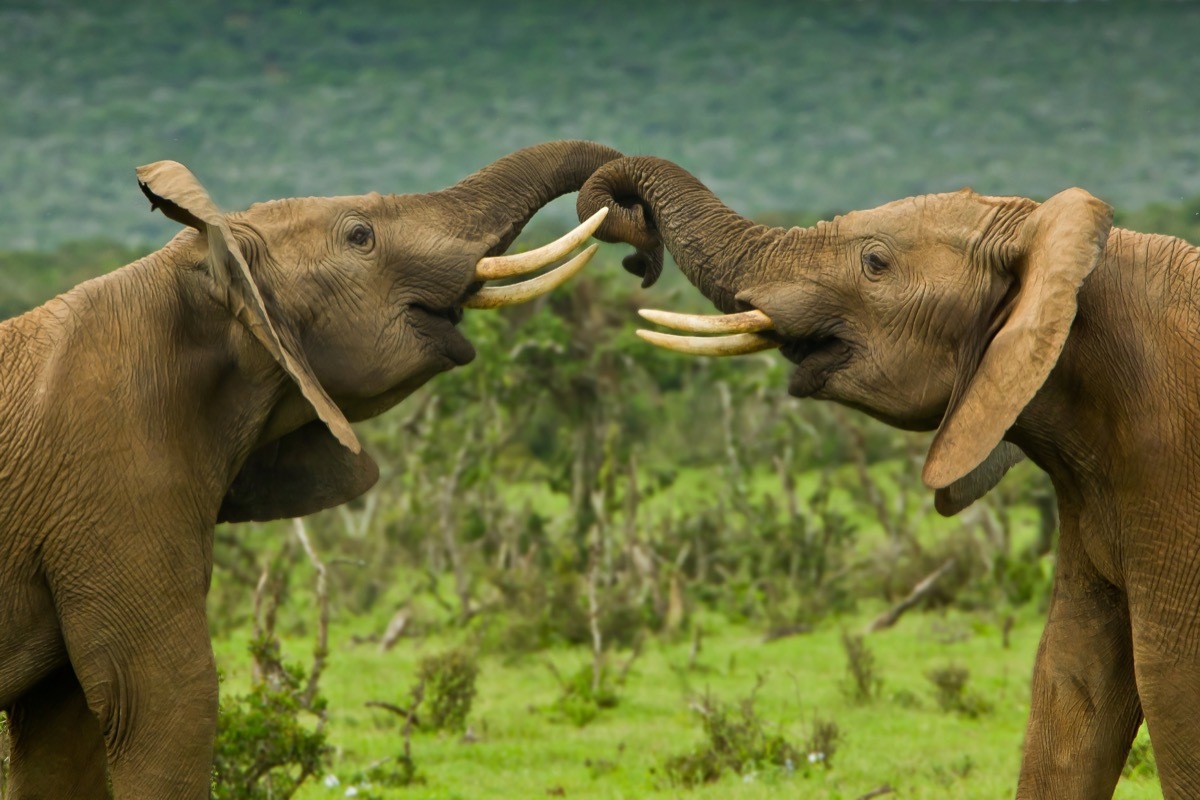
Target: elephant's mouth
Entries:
(440, 325)
(816, 359)
(440, 322)
(817, 352)
(452, 314)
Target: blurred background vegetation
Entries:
(779, 107)
(574, 494)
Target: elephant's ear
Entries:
(1058, 245)
(949, 500)
(171, 187)
(303, 472)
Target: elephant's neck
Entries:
(144, 357)
(1115, 416)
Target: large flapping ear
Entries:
(170, 186)
(1059, 244)
(305, 471)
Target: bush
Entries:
(823, 742)
(957, 770)
(449, 685)
(264, 748)
(737, 741)
(394, 773)
(1141, 763)
(583, 697)
(863, 683)
(951, 691)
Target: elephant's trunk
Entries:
(509, 191)
(653, 202)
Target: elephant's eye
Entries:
(875, 263)
(360, 235)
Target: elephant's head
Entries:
(356, 299)
(944, 311)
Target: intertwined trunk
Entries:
(653, 202)
(508, 192)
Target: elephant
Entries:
(215, 380)
(1011, 328)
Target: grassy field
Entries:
(903, 739)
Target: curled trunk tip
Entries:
(654, 203)
(629, 219)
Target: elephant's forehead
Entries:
(921, 216)
(294, 209)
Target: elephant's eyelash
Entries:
(360, 235)
(875, 262)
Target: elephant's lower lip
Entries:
(815, 360)
(439, 325)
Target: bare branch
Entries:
(407, 713)
(395, 629)
(594, 620)
(418, 694)
(623, 673)
(267, 593)
(321, 646)
(448, 525)
(919, 592)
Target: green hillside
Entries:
(780, 106)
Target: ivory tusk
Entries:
(499, 296)
(493, 267)
(745, 322)
(735, 345)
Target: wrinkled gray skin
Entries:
(140, 408)
(1002, 324)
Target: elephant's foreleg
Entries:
(157, 704)
(1085, 709)
(146, 667)
(1165, 607)
(56, 747)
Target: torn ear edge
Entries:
(1056, 248)
(171, 187)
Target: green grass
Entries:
(922, 752)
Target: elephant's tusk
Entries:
(745, 322)
(489, 269)
(735, 345)
(499, 296)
